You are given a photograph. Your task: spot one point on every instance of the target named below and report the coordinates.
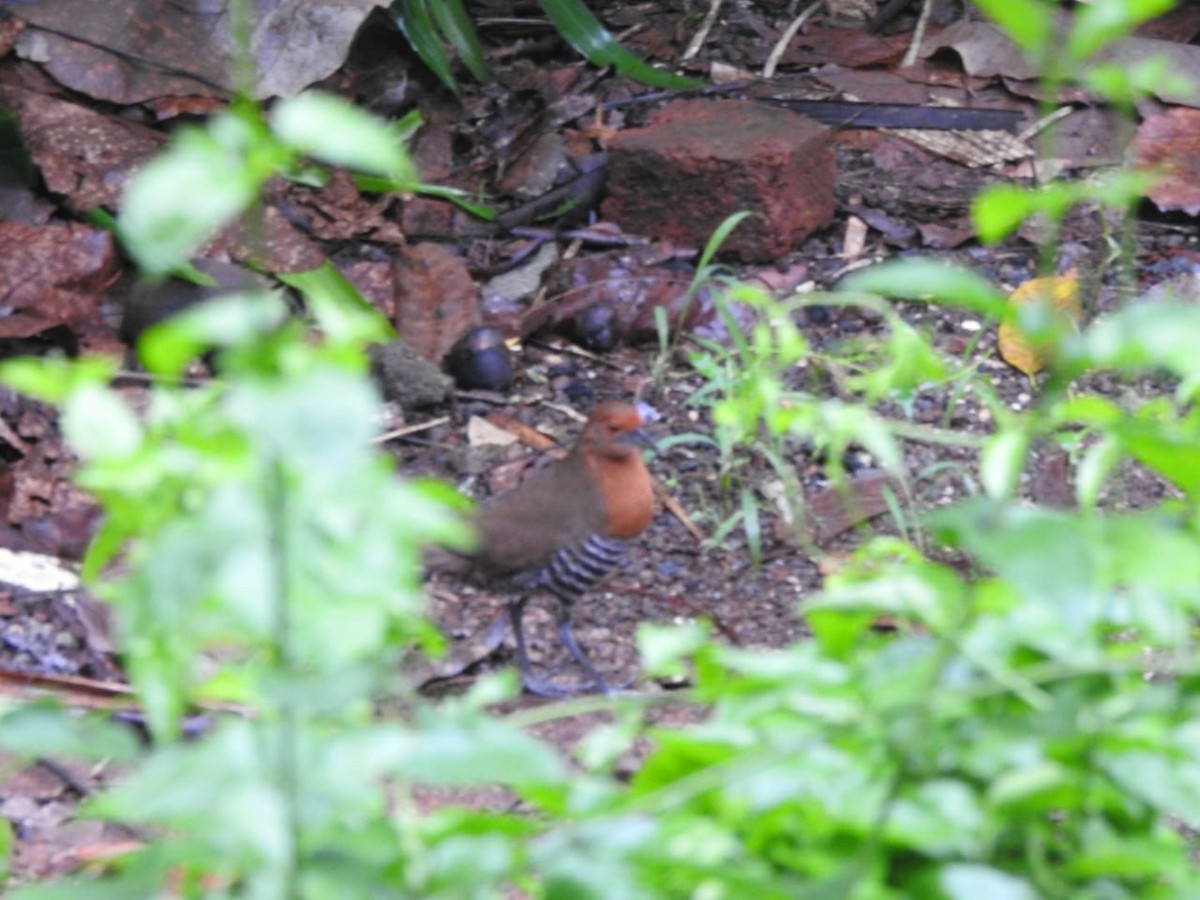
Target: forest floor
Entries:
(911, 199)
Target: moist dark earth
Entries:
(671, 575)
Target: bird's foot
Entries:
(541, 687)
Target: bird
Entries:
(565, 528)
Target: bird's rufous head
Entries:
(613, 425)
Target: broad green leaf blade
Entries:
(167, 347)
(41, 729)
(337, 132)
(456, 25)
(583, 31)
(99, 424)
(477, 751)
(1029, 23)
(1002, 461)
(181, 198)
(970, 881)
(52, 379)
(1098, 23)
(456, 196)
(327, 280)
(998, 211)
(929, 280)
(414, 20)
(342, 313)
(719, 237)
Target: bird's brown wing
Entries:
(558, 507)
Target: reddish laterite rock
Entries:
(699, 161)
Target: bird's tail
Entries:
(438, 560)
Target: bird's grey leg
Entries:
(532, 683)
(599, 685)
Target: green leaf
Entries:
(583, 31)
(52, 378)
(923, 591)
(1158, 438)
(40, 729)
(99, 423)
(1143, 336)
(182, 197)
(928, 280)
(1037, 789)
(663, 649)
(6, 850)
(342, 313)
(1171, 786)
(1055, 562)
(751, 525)
(713, 245)
(838, 630)
(414, 19)
(970, 881)
(941, 817)
(330, 129)
(458, 197)
(1002, 461)
(1101, 22)
(999, 210)
(908, 362)
(167, 347)
(455, 24)
(478, 751)
(1029, 23)
(1097, 464)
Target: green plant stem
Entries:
(929, 434)
(580, 706)
(244, 68)
(287, 776)
(923, 709)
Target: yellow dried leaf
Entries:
(1061, 292)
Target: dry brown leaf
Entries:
(437, 301)
(126, 52)
(986, 51)
(1169, 144)
(1062, 293)
(86, 156)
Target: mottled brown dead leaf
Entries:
(1169, 144)
(85, 156)
(627, 288)
(437, 301)
(52, 275)
(126, 52)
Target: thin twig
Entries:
(409, 429)
(572, 350)
(914, 47)
(589, 236)
(128, 376)
(786, 38)
(701, 36)
(493, 397)
(1044, 122)
(567, 411)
